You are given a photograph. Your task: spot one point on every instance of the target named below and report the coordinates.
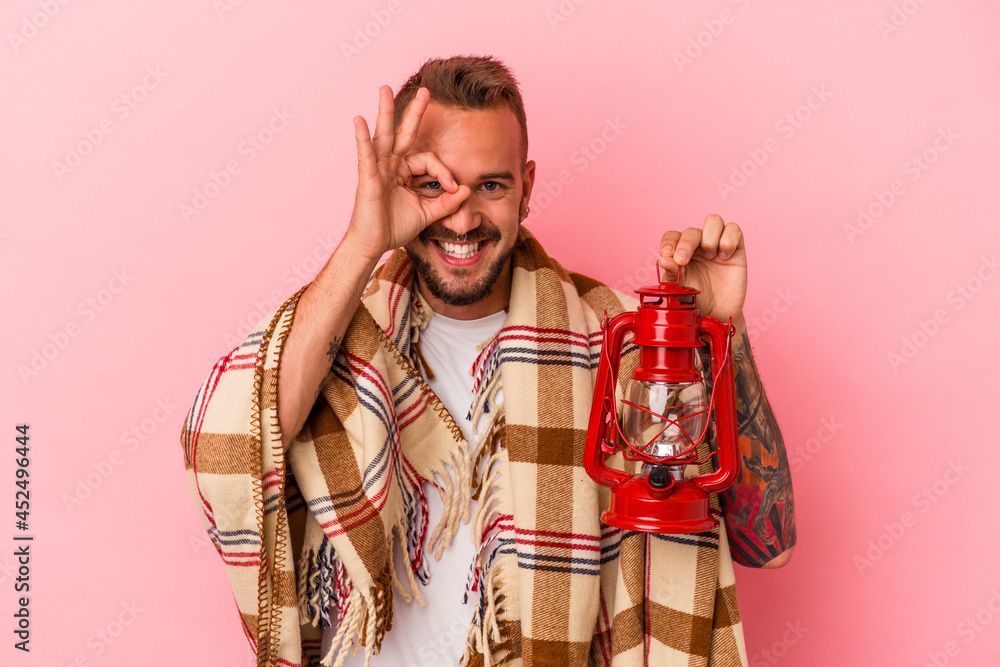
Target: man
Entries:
(467, 364)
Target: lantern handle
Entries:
(660, 271)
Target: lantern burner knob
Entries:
(660, 477)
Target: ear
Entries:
(527, 182)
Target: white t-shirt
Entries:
(435, 634)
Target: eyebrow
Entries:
(497, 176)
(490, 176)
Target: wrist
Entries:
(345, 273)
(354, 250)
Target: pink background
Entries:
(123, 305)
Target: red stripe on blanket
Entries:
(241, 367)
(609, 531)
(416, 416)
(395, 297)
(243, 563)
(535, 339)
(559, 545)
(422, 400)
(370, 508)
(236, 553)
(273, 478)
(360, 368)
(548, 533)
(559, 332)
(493, 524)
(400, 270)
(546, 339)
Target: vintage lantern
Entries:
(665, 413)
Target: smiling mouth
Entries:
(459, 250)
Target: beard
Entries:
(469, 294)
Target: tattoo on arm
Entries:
(332, 352)
(759, 507)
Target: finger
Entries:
(429, 164)
(383, 126)
(668, 243)
(687, 245)
(731, 241)
(446, 204)
(710, 235)
(367, 166)
(670, 268)
(406, 134)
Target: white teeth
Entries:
(459, 250)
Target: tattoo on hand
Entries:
(760, 506)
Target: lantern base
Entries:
(683, 512)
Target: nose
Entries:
(465, 219)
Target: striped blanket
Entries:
(316, 527)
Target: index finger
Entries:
(367, 167)
(406, 134)
(382, 140)
(688, 243)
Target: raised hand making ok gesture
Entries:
(387, 213)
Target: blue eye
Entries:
(491, 186)
(433, 185)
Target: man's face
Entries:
(471, 278)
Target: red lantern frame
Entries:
(668, 330)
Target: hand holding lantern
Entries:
(666, 412)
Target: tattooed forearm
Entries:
(759, 508)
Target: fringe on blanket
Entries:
(485, 380)
(366, 618)
(323, 580)
(493, 574)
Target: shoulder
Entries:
(600, 297)
(530, 257)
